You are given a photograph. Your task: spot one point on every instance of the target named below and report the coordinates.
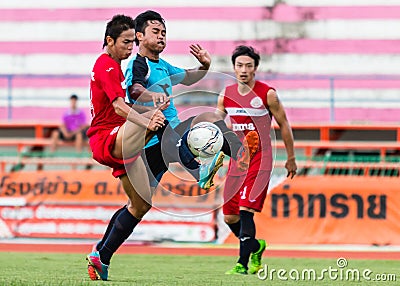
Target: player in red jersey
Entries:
(250, 105)
(116, 125)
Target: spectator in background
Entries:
(73, 127)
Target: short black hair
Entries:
(118, 24)
(246, 51)
(73, 96)
(141, 21)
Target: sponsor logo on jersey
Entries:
(256, 102)
(243, 126)
(109, 69)
(241, 111)
(236, 111)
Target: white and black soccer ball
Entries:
(205, 139)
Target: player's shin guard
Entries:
(186, 156)
(188, 159)
(109, 228)
(232, 143)
(175, 149)
(235, 228)
(122, 228)
(248, 243)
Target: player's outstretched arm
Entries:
(140, 93)
(122, 109)
(277, 110)
(194, 75)
(144, 108)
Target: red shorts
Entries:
(102, 143)
(247, 191)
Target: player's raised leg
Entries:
(137, 190)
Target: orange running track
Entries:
(211, 251)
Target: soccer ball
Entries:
(205, 139)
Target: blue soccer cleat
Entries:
(100, 269)
(208, 171)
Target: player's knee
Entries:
(139, 211)
(231, 219)
(142, 210)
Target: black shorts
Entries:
(154, 159)
(61, 136)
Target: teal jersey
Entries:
(155, 76)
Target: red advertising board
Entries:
(332, 210)
(78, 204)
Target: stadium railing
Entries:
(309, 137)
(323, 131)
(296, 91)
(37, 128)
(313, 148)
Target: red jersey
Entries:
(107, 83)
(247, 113)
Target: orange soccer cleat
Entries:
(248, 150)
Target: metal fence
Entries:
(296, 91)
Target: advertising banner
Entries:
(99, 186)
(332, 210)
(78, 204)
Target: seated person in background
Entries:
(73, 127)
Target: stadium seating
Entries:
(338, 55)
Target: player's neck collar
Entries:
(111, 56)
(244, 89)
(152, 60)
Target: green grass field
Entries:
(42, 269)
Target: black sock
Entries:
(185, 155)
(174, 148)
(109, 227)
(235, 228)
(232, 144)
(122, 228)
(248, 243)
